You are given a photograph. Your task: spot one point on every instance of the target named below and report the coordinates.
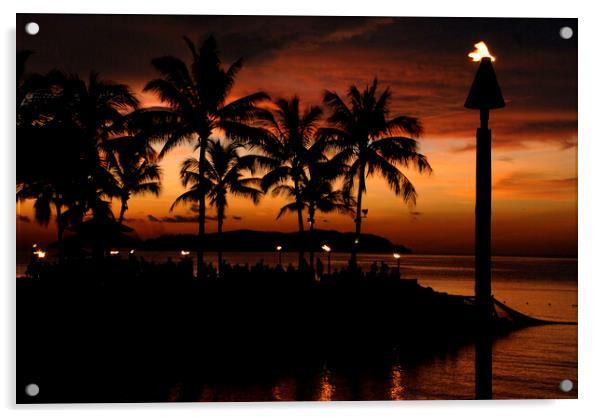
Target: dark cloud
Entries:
(173, 219)
(423, 60)
(415, 215)
(237, 218)
(177, 219)
(134, 220)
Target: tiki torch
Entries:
(485, 94)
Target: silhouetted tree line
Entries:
(267, 241)
(84, 142)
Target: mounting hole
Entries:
(566, 385)
(32, 389)
(32, 28)
(566, 32)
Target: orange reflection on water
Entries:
(326, 386)
(397, 390)
(284, 390)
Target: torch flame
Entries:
(481, 52)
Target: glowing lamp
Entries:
(327, 249)
(485, 92)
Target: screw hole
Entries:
(566, 32)
(566, 385)
(32, 28)
(32, 389)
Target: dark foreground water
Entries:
(529, 363)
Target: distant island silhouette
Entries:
(245, 240)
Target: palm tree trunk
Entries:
(220, 223)
(358, 217)
(201, 220)
(300, 222)
(301, 233)
(311, 212)
(124, 207)
(60, 228)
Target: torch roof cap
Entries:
(485, 92)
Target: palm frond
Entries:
(290, 207)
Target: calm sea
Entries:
(527, 364)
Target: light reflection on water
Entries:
(396, 392)
(326, 387)
(528, 364)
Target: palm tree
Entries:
(288, 149)
(223, 175)
(135, 169)
(34, 179)
(196, 97)
(371, 143)
(73, 119)
(319, 194)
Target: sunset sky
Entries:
(423, 60)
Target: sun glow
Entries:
(481, 52)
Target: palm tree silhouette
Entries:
(371, 142)
(74, 118)
(135, 170)
(288, 148)
(197, 96)
(319, 194)
(223, 175)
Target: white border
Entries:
(590, 152)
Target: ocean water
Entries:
(529, 363)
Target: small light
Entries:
(396, 256)
(40, 254)
(34, 246)
(114, 252)
(357, 241)
(185, 253)
(326, 248)
(279, 248)
(132, 251)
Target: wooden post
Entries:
(483, 347)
